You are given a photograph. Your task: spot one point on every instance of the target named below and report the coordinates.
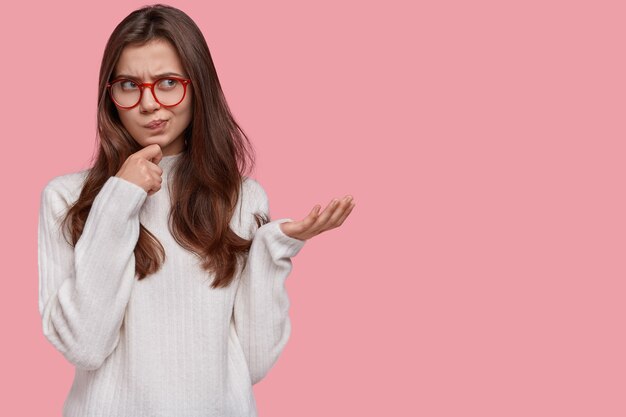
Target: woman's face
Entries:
(143, 64)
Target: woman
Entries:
(161, 275)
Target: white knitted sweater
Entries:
(167, 345)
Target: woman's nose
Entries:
(148, 101)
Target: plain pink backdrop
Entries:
(482, 270)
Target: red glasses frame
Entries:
(142, 86)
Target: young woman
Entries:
(161, 274)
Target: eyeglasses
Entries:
(167, 91)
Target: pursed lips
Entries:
(155, 123)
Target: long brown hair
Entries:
(208, 175)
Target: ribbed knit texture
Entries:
(167, 345)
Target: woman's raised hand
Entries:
(315, 223)
(142, 168)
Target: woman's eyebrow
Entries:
(165, 74)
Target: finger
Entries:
(157, 169)
(344, 204)
(346, 213)
(306, 223)
(314, 212)
(323, 218)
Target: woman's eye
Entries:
(127, 85)
(168, 83)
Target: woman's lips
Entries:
(156, 125)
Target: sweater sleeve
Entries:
(84, 290)
(261, 303)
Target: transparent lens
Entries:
(168, 92)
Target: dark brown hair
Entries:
(207, 178)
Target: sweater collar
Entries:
(168, 161)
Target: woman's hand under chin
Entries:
(315, 223)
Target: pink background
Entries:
(482, 270)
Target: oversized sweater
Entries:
(167, 345)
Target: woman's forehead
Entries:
(149, 60)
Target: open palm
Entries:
(315, 223)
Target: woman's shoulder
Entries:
(253, 194)
(66, 186)
(252, 187)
